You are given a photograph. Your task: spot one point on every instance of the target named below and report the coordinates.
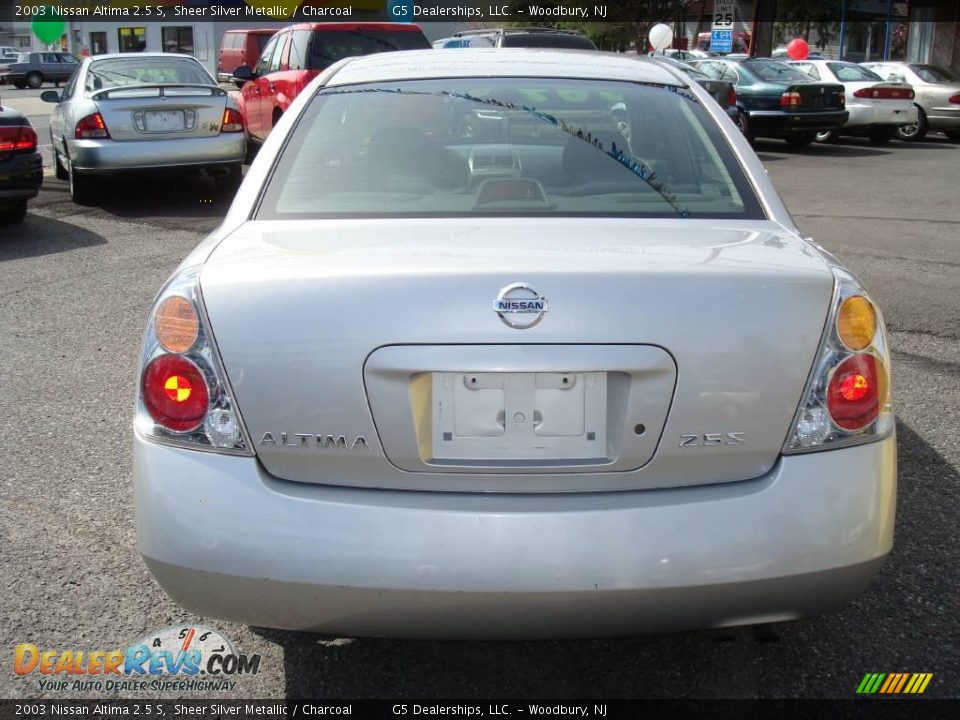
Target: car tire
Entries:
(743, 123)
(82, 189)
(800, 140)
(253, 147)
(59, 169)
(15, 213)
(952, 135)
(228, 183)
(916, 131)
(828, 136)
(34, 80)
(19, 85)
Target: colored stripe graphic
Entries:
(894, 683)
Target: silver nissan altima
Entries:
(143, 111)
(475, 355)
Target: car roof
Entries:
(128, 56)
(334, 26)
(502, 62)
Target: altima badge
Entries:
(520, 306)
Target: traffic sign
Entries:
(723, 14)
(721, 41)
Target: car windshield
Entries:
(775, 71)
(132, 70)
(515, 146)
(934, 73)
(851, 72)
(329, 46)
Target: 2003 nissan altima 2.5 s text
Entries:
(470, 357)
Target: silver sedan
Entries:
(465, 360)
(148, 111)
(937, 97)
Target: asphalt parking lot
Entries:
(75, 287)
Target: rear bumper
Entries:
(21, 176)
(110, 155)
(226, 540)
(864, 115)
(944, 118)
(776, 123)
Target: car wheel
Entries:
(828, 136)
(914, 131)
(228, 183)
(253, 147)
(952, 135)
(34, 80)
(743, 123)
(82, 189)
(14, 213)
(800, 141)
(58, 168)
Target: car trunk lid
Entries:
(368, 352)
(160, 112)
(819, 96)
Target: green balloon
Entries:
(51, 30)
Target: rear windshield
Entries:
(850, 72)
(328, 46)
(133, 70)
(776, 71)
(514, 146)
(548, 40)
(934, 74)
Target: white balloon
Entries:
(661, 36)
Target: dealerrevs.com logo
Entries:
(177, 658)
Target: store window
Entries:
(177, 39)
(98, 43)
(132, 39)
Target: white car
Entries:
(877, 107)
(466, 360)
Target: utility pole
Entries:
(761, 35)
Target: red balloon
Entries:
(798, 49)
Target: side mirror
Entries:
(243, 73)
(50, 96)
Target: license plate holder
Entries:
(515, 418)
(164, 120)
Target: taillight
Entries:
(175, 393)
(92, 126)
(184, 396)
(884, 93)
(731, 97)
(17, 137)
(856, 392)
(846, 401)
(232, 121)
(790, 99)
(955, 99)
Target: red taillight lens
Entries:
(955, 99)
(731, 97)
(884, 93)
(175, 393)
(232, 121)
(92, 126)
(857, 392)
(790, 99)
(17, 137)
